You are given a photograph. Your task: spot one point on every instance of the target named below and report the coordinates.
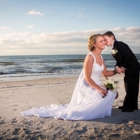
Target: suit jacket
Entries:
(125, 58)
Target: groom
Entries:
(126, 63)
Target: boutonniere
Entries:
(114, 51)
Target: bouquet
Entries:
(110, 85)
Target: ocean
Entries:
(43, 65)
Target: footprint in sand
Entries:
(114, 136)
(2, 122)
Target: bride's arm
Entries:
(88, 64)
(108, 73)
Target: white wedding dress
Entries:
(86, 102)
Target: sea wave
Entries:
(22, 66)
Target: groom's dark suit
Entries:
(125, 58)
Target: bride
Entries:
(87, 102)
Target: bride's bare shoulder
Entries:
(89, 58)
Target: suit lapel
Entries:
(115, 46)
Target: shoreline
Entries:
(23, 94)
(34, 77)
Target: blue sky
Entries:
(30, 27)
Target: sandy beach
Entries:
(19, 94)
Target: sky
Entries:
(42, 27)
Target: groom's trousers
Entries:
(131, 84)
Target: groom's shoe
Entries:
(127, 110)
(120, 107)
(124, 110)
(130, 110)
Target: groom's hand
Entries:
(119, 70)
(123, 69)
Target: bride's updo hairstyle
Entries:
(92, 40)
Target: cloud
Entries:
(24, 34)
(79, 15)
(29, 27)
(70, 42)
(35, 13)
(4, 28)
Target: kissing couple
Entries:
(87, 102)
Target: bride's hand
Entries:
(102, 91)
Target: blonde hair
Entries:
(92, 41)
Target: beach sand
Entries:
(22, 94)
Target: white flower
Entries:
(113, 51)
(106, 82)
(115, 86)
(111, 82)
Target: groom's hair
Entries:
(109, 33)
